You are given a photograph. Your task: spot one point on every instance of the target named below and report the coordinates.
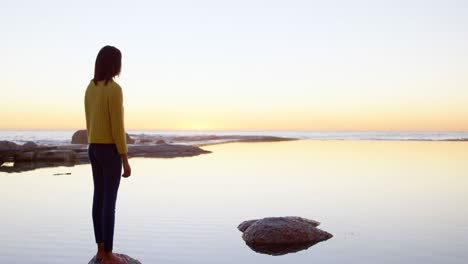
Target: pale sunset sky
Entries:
(289, 65)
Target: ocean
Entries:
(387, 200)
(56, 137)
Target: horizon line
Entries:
(252, 130)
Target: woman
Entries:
(107, 147)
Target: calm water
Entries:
(384, 202)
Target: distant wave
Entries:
(213, 137)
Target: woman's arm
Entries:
(118, 131)
(116, 112)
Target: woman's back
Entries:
(105, 114)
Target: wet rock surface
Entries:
(282, 235)
(127, 258)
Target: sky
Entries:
(222, 65)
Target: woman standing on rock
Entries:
(107, 148)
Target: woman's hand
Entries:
(127, 170)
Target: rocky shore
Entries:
(29, 156)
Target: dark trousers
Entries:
(106, 164)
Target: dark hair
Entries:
(108, 64)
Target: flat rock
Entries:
(127, 258)
(164, 150)
(282, 235)
(55, 155)
(24, 156)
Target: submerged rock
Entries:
(81, 137)
(127, 258)
(282, 235)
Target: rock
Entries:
(29, 157)
(82, 156)
(81, 137)
(7, 146)
(24, 156)
(264, 139)
(282, 235)
(165, 151)
(12, 152)
(160, 141)
(145, 140)
(246, 224)
(29, 146)
(56, 155)
(74, 147)
(127, 258)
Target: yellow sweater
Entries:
(105, 114)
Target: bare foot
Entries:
(113, 258)
(99, 256)
(100, 251)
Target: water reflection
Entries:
(12, 167)
(374, 197)
(278, 250)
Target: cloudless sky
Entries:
(318, 65)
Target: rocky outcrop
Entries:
(10, 151)
(33, 152)
(6, 146)
(164, 151)
(31, 156)
(29, 146)
(56, 155)
(81, 137)
(282, 235)
(218, 139)
(127, 258)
